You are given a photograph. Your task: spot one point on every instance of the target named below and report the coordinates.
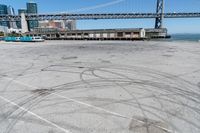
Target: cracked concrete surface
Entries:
(100, 87)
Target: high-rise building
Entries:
(19, 12)
(11, 11)
(22, 11)
(32, 9)
(4, 11)
(70, 24)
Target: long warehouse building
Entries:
(107, 34)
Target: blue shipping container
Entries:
(26, 39)
(10, 39)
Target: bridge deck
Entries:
(97, 16)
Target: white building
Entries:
(70, 24)
(60, 24)
(15, 30)
(4, 29)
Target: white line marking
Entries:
(86, 104)
(20, 83)
(89, 105)
(37, 116)
(22, 108)
(107, 111)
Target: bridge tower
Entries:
(159, 10)
(24, 24)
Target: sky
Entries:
(189, 25)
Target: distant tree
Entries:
(14, 34)
(1, 33)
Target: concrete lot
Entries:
(100, 87)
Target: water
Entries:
(185, 37)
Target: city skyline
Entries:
(98, 6)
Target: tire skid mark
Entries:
(35, 115)
(164, 89)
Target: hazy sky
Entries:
(100, 6)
